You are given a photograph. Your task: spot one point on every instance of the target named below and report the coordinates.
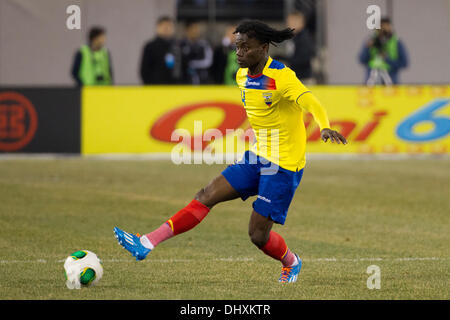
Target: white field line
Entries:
(243, 259)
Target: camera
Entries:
(379, 41)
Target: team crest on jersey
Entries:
(267, 98)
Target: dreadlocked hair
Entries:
(264, 33)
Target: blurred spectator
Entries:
(92, 63)
(197, 55)
(158, 63)
(300, 48)
(225, 66)
(383, 55)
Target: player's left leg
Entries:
(275, 192)
(273, 245)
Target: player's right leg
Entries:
(218, 190)
(132, 243)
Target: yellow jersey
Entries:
(274, 101)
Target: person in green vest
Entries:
(383, 55)
(92, 64)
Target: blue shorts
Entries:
(274, 186)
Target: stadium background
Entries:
(37, 50)
(409, 123)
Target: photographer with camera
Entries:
(383, 55)
(92, 63)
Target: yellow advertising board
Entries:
(400, 119)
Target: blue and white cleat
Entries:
(290, 274)
(132, 243)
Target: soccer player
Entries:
(274, 100)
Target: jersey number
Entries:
(243, 96)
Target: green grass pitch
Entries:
(345, 216)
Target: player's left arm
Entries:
(295, 91)
(311, 104)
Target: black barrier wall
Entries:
(40, 120)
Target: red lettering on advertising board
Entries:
(370, 126)
(346, 127)
(235, 116)
(163, 127)
(18, 121)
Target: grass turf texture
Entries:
(352, 211)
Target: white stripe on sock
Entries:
(146, 243)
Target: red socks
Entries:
(276, 248)
(164, 232)
(191, 215)
(184, 220)
(188, 217)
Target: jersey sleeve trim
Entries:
(296, 100)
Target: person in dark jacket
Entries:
(197, 55)
(383, 55)
(92, 63)
(225, 66)
(159, 57)
(302, 47)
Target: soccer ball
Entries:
(83, 268)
